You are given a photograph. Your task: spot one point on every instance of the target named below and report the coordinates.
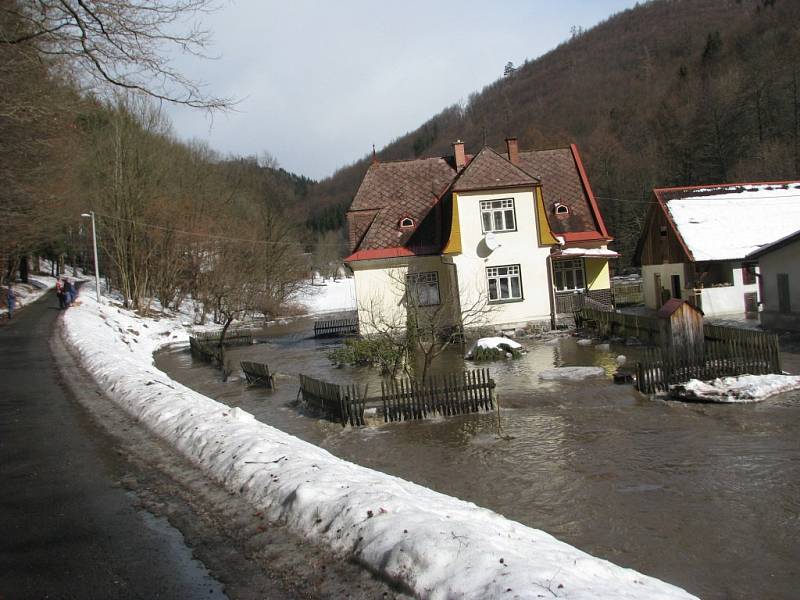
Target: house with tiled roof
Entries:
(520, 230)
(696, 241)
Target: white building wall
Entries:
(380, 288)
(729, 299)
(520, 247)
(784, 260)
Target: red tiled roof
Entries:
(562, 184)
(392, 191)
(396, 190)
(490, 170)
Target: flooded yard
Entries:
(704, 496)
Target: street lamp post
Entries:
(90, 214)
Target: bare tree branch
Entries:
(118, 43)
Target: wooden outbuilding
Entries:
(683, 335)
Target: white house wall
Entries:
(518, 247)
(728, 299)
(783, 260)
(380, 289)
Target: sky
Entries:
(319, 83)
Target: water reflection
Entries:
(704, 496)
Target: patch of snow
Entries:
(496, 343)
(572, 373)
(744, 388)
(438, 546)
(330, 296)
(730, 224)
(499, 343)
(590, 252)
(584, 342)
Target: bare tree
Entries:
(419, 323)
(122, 43)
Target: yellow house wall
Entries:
(597, 273)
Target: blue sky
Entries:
(320, 82)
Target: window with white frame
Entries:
(498, 215)
(569, 276)
(505, 283)
(423, 288)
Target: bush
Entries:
(489, 354)
(369, 351)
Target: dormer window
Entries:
(561, 209)
(406, 223)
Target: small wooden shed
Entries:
(683, 335)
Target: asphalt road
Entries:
(68, 528)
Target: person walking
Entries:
(69, 291)
(11, 300)
(60, 293)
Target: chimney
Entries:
(513, 150)
(458, 153)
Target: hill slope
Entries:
(671, 92)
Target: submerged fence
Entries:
(342, 403)
(206, 345)
(446, 395)
(722, 358)
(335, 327)
(402, 400)
(727, 351)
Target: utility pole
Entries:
(90, 214)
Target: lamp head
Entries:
(87, 215)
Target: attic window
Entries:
(663, 231)
(406, 223)
(561, 209)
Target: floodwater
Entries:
(704, 496)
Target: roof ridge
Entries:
(724, 185)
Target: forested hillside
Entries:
(671, 92)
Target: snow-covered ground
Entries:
(436, 545)
(329, 296)
(744, 388)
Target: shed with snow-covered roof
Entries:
(695, 242)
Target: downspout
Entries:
(552, 294)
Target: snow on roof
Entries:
(590, 252)
(731, 224)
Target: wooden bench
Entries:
(257, 374)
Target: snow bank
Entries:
(572, 373)
(438, 546)
(744, 388)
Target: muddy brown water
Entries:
(704, 496)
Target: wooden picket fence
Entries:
(204, 350)
(722, 358)
(628, 293)
(236, 337)
(335, 327)
(446, 395)
(607, 322)
(342, 403)
(402, 400)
